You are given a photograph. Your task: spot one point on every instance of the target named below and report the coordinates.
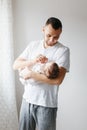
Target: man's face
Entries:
(51, 35)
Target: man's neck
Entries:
(45, 45)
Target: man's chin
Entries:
(51, 44)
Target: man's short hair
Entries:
(55, 23)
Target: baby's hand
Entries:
(41, 58)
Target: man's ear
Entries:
(43, 29)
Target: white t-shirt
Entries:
(44, 94)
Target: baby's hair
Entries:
(53, 71)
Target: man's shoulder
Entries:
(63, 47)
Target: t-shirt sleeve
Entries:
(64, 60)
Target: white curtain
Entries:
(8, 109)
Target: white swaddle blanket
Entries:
(37, 68)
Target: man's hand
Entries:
(41, 59)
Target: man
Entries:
(39, 106)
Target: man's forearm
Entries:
(42, 78)
(21, 63)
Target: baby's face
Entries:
(47, 67)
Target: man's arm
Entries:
(20, 63)
(44, 79)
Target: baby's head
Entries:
(51, 70)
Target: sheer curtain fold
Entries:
(8, 109)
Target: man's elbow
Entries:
(15, 66)
(58, 82)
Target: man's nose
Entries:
(51, 39)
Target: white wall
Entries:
(29, 17)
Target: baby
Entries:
(49, 69)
